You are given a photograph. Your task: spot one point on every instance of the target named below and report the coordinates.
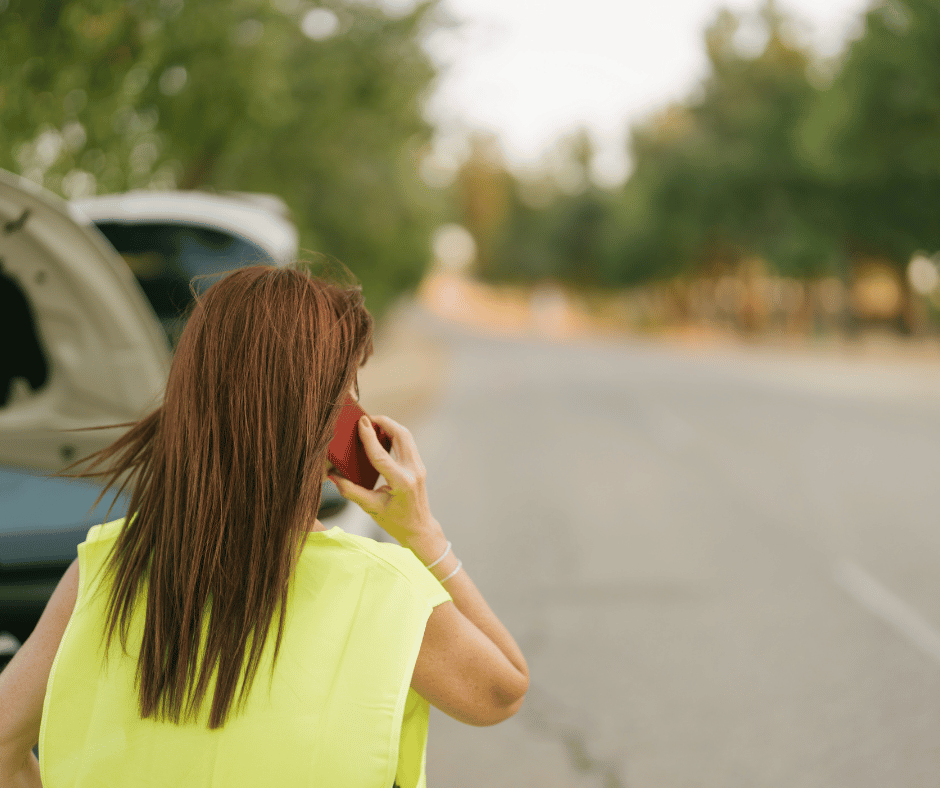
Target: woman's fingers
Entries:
(402, 440)
(369, 500)
(381, 460)
(400, 506)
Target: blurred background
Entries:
(765, 170)
(658, 290)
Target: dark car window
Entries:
(164, 257)
(22, 355)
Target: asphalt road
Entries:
(722, 569)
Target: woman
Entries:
(226, 474)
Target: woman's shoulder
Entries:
(399, 561)
(105, 531)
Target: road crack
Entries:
(547, 717)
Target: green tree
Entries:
(232, 95)
(723, 177)
(553, 226)
(872, 134)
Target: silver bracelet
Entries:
(459, 564)
(435, 563)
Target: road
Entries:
(722, 569)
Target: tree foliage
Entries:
(872, 135)
(807, 164)
(232, 95)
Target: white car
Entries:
(91, 294)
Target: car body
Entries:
(167, 238)
(91, 297)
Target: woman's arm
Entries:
(23, 686)
(469, 666)
(27, 777)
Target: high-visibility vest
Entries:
(339, 711)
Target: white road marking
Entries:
(878, 600)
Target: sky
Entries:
(531, 71)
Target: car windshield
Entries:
(165, 256)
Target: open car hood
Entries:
(83, 346)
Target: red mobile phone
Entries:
(346, 451)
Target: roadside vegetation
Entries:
(790, 193)
(320, 105)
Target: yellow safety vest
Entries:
(340, 712)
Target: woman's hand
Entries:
(469, 666)
(401, 505)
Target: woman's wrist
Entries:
(434, 551)
(429, 544)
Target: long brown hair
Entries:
(227, 474)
